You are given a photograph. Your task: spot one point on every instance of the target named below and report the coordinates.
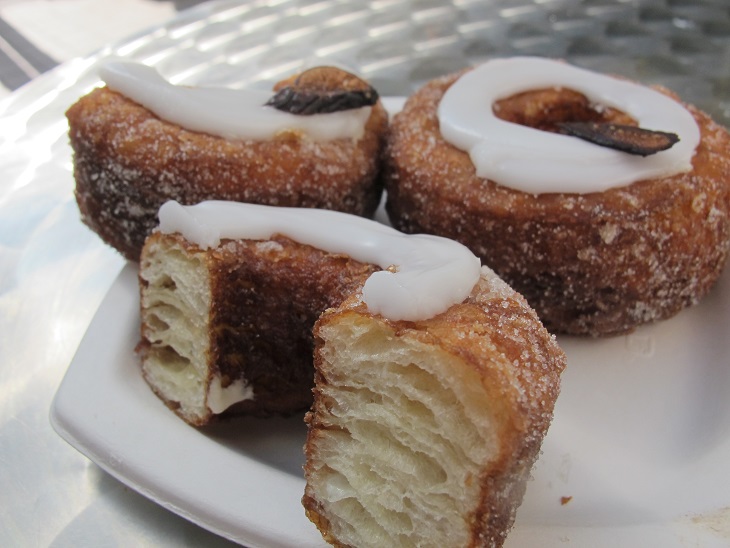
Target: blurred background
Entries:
(37, 35)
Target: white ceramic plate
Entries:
(637, 453)
(241, 479)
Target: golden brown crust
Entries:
(127, 162)
(323, 79)
(590, 264)
(495, 334)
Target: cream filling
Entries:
(535, 161)
(428, 273)
(228, 113)
(221, 398)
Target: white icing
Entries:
(221, 398)
(535, 161)
(431, 273)
(228, 113)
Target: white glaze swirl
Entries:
(535, 161)
(228, 113)
(431, 273)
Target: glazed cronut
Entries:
(424, 434)
(421, 433)
(128, 162)
(235, 322)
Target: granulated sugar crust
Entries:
(590, 264)
(127, 162)
(499, 369)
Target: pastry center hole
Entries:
(544, 109)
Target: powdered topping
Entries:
(425, 274)
(535, 161)
(228, 113)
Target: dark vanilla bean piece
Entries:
(630, 139)
(313, 92)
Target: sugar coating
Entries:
(424, 433)
(127, 162)
(590, 264)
